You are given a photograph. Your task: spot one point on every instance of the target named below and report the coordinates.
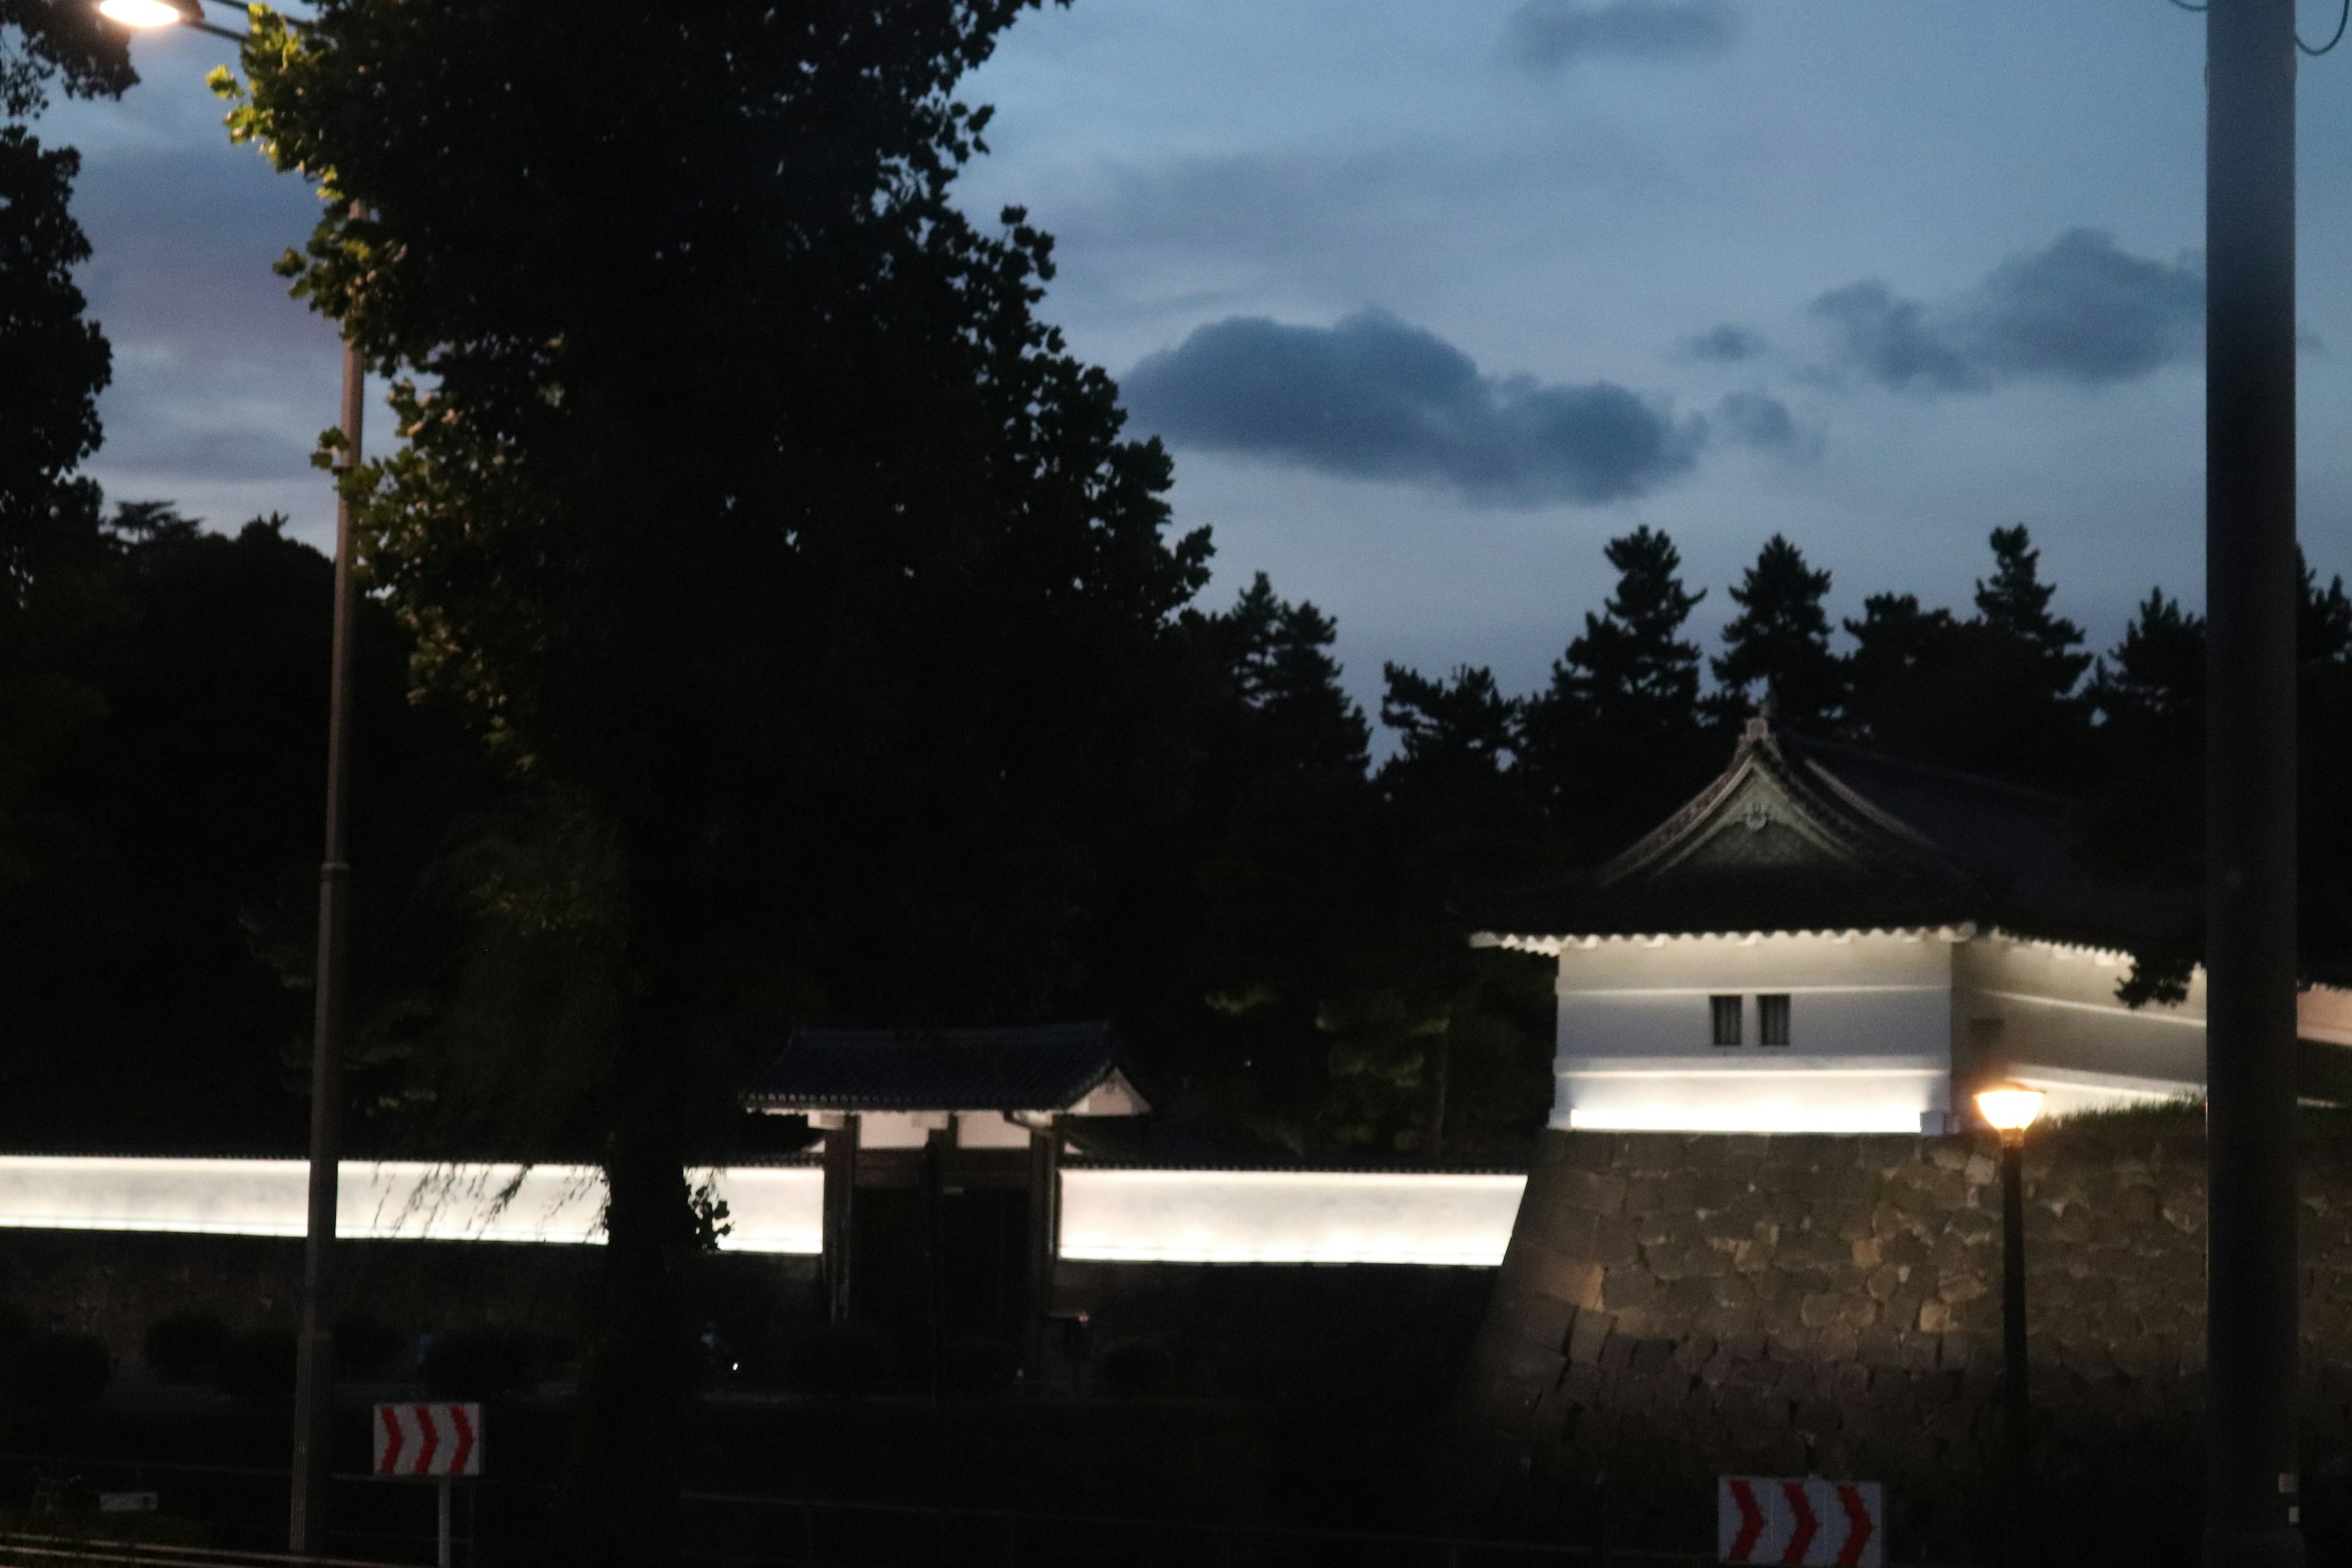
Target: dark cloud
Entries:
(1372, 397)
(1725, 343)
(1891, 342)
(1552, 32)
(2079, 310)
(1758, 419)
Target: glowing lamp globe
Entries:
(141, 13)
(2009, 1108)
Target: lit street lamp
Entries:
(2010, 1109)
(314, 1375)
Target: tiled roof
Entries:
(1801, 835)
(1042, 1067)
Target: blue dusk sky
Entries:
(1432, 300)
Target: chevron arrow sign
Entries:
(428, 1439)
(1812, 1522)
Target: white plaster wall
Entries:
(2046, 1014)
(1870, 1034)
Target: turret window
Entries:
(1772, 1020)
(1726, 1012)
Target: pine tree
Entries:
(1276, 656)
(1630, 672)
(2015, 604)
(1461, 723)
(1618, 729)
(1778, 645)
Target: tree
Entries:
(798, 576)
(1999, 693)
(1778, 644)
(52, 558)
(1276, 657)
(1618, 728)
(159, 951)
(2015, 604)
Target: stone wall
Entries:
(1675, 1307)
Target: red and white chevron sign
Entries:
(1762, 1518)
(428, 1439)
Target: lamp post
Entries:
(314, 1374)
(2252, 1275)
(2010, 1109)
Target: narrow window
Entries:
(1726, 1011)
(1772, 1020)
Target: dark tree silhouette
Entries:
(798, 576)
(1778, 644)
(1619, 727)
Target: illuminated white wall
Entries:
(1870, 1031)
(1287, 1216)
(773, 1208)
(1207, 1216)
(2046, 1015)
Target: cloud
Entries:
(1549, 33)
(2079, 310)
(1726, 343)
(1761, 420)
(1371, 398)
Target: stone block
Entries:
(1614, 1244)
(1935, 1317)
(1545, 1321)
(1570, 1230)
(1632, 1286)
(1599, 1192)
(1575, 1280)
(1587, 1337)
(1958, 1288)
(1903, 1246)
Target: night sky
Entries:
(1432, 300)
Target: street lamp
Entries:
(147, 14)
(314, 1366)
(2010, 1109)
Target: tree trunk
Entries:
(626, 1468)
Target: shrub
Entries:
(478, 1363)
(1134, 1369)
(258, 1367)
(840, 1363)
(365, 1345)
(59, 1371)
(184, 1346)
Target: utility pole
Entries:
(314, 1369)
(2250, 590)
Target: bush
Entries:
(59, 1371)
(365, 1345)
(258, 1367)
(978, 1364)
(184, 1346)
(842, 1362)
(478, 1363)
(1135, 1369)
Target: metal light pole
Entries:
(2251, 588)
(314, 1367)
(2011, 1110)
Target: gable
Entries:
(1755, 825)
